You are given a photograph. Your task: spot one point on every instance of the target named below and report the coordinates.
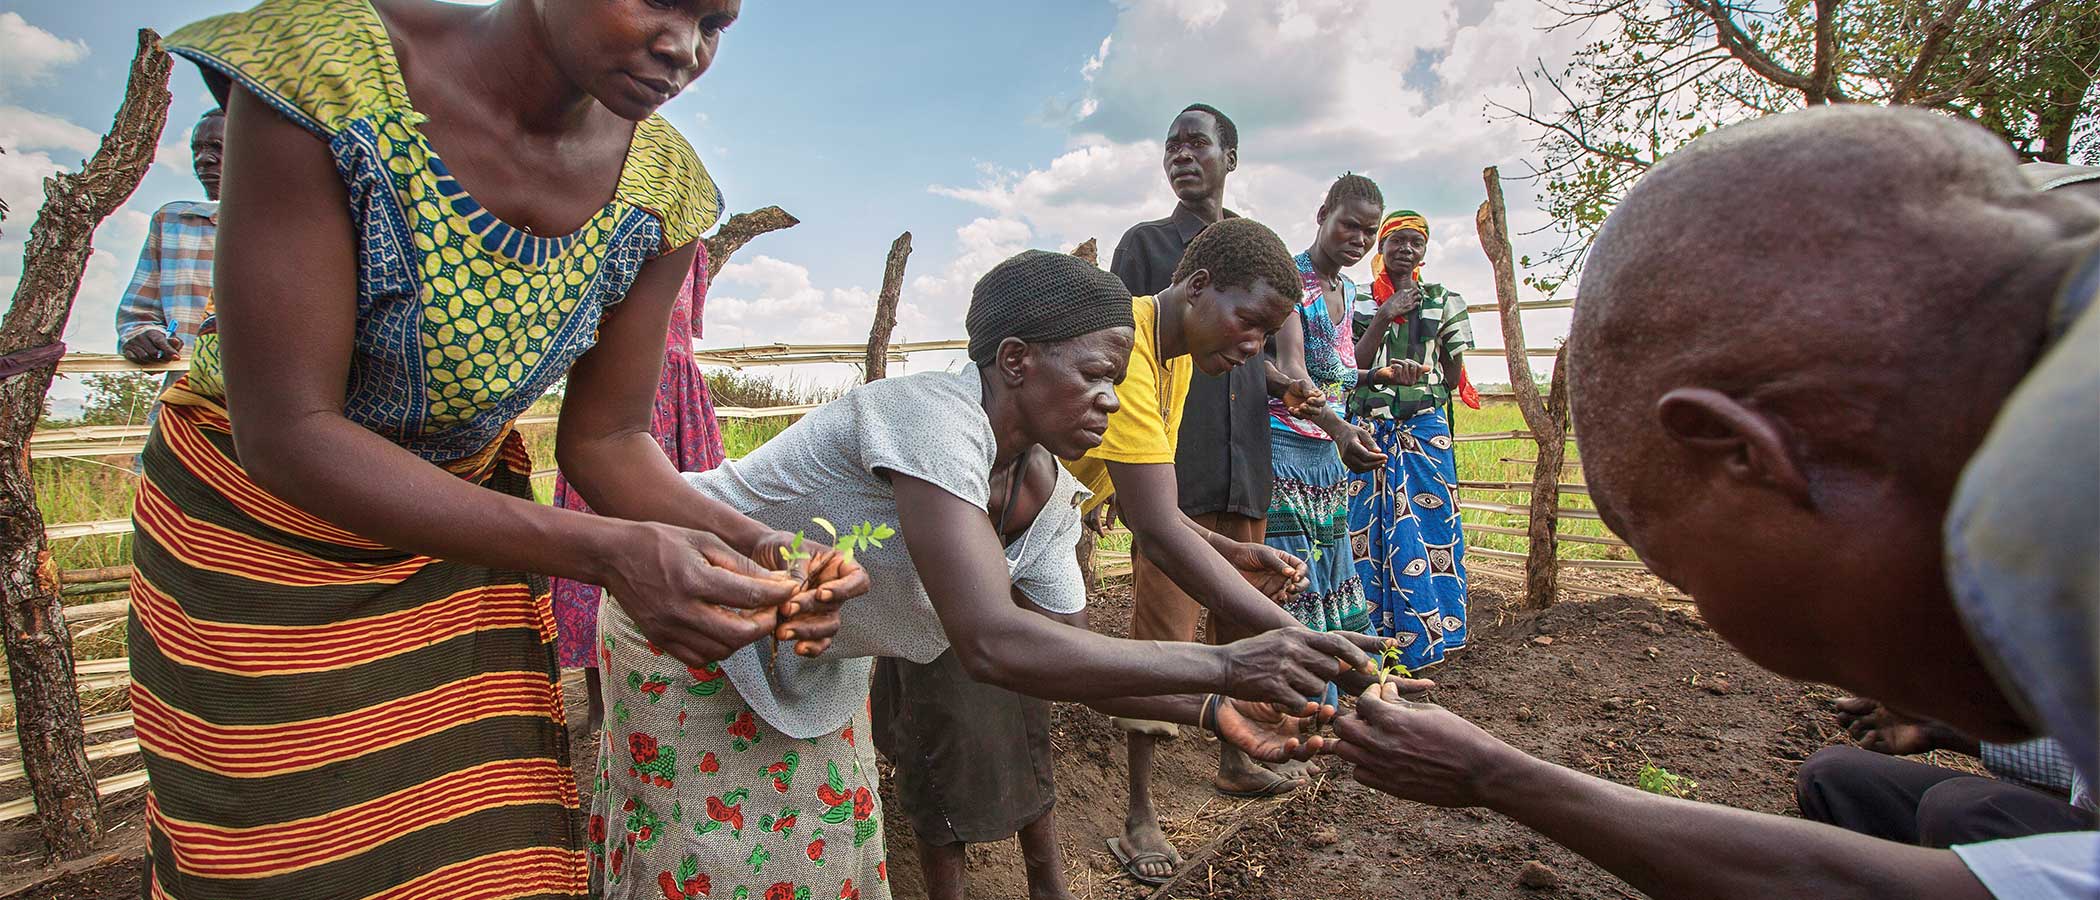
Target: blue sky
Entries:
(983, 128)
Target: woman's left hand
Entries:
(811, 617)
(1278, 575)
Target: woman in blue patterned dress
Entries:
(1403, 516)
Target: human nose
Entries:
(1107, 401)
(681, 48)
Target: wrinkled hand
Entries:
(1267, 733)
(1420, 751)
(1276, 574)
(1288, 665)
(692, 595)
(826, 580)
(1359, 451)
(1406, 371)
(1304, 398)
(1883, 730)
(152, 346)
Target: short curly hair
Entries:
(1239, 252)
(1228, 133)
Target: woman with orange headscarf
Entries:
(1403, 520)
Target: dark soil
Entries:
(1615, 684)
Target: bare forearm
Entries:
(627, 476)
(1373, 339)
(1671, 848)
(1181, 709)
(367, 485)
(1030, 654)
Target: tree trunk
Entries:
(886, 308)
(39, 649)
(739, 230)
(1542, 565)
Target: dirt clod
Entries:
(1652, 627)
(1538, 876)
(1542, 641)
(1524, 714)
(1325, 836)
(1720, 687)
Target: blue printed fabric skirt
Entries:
(1309, 519)
(1409, 547)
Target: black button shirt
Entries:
(1222, 455)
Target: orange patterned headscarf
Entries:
(1382, 286)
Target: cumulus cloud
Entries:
(1406, 105)
(29, 54)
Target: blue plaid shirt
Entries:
(171, 291)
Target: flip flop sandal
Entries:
(1278, 786)
(1131, 862)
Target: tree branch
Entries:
(1929, 52)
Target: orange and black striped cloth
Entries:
(325, 717)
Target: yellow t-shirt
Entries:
(1144, 430)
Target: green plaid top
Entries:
(1439, 323)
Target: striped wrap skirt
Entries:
(322, 716)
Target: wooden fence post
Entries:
(886, 308)
(39, 649)
(739, 230)
(1546, 418)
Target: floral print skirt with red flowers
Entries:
(697, 797)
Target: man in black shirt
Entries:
(1221, 466)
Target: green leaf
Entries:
(825, 524)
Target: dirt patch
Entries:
(1615, 684)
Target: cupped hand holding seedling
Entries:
(1276, 574)
(829, 576)
(1421, 751)
(1270, 734)
(656, 572)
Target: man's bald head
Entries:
(1832, 265)
(1790, 337)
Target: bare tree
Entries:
(1659, 73)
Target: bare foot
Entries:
(1239, 776)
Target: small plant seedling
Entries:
(865, 536)
(1657, 780)
(1316, 554)
(1391, 667)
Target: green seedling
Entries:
(865, 536)
(1390, 665)
(1657, 780)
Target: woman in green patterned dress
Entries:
(344, 682)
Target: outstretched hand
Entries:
(1420, 751)
(1359, 450)
(692, 595)
(1269, 734)
(1276, 574)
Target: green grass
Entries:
(1484, 461)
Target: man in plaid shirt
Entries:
(170, 294)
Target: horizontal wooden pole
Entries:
(1522, 486)
(1523, 306)
(1471, 437)
(1519, 532)
(1520, 461)
(114, 784)
(95, 752)
(102, 724)
(1509, 510)
(90, 613)
(1565, 585)
(104, 573)
(1629, 565)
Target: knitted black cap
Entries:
(1039, 296)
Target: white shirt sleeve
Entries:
(2041, 867)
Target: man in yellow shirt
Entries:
(1234, 287)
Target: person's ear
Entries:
(1320, 218)
(1199, 284)
(1014, 359)
(1744, 443)
(1232, 160)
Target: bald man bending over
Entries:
(1836, 374)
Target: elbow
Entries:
(269, 456)
(989, 659)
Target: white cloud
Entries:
(29, 54)
(1408, 109)
(23, 129)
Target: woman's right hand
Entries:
(1405, 371)
(1289, 665)
(1403, 301)
(689, 593)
